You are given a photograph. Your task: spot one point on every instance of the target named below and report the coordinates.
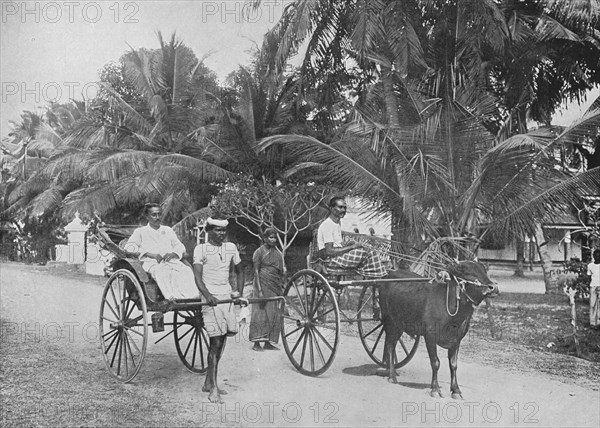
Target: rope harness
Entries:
(460, 288)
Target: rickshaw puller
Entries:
(212, 263)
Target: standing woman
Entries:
(269, 273)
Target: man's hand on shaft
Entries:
(212, 300)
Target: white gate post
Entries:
(76, 241)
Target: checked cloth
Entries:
(364, 261)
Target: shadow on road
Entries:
(371, 370)
(364, 370)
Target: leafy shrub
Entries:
(581, 284)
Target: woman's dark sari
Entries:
(265, 321)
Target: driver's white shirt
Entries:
(329, 231)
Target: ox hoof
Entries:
(457, 396)
(435, 393)
(392, 380)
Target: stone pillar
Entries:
(568, 246)
(76, 241)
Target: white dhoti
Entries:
(175, 280)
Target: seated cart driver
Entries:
(160, 253)
(345, 255)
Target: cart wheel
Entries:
(372, 335)
(191, 340)
(123, 325)
(311, 327)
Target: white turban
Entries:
(217, 222)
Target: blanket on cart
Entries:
(363, 260)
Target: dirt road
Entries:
(52, 372)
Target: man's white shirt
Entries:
(329, 231)
(216, 261)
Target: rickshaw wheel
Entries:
(191, 339)
(123, 325)
(372, 334)
(311, 325)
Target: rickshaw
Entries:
(129, 295)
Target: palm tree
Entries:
(519, 186)
(33, 140)
(416, 117)
(162, 129)
(434, 104)
(152, 146)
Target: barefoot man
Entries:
(212, 263)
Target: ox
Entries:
(440, 312)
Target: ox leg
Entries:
(390, 355)
(453, 360)
(435, 366)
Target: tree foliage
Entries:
(288, 208)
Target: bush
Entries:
(581, 284)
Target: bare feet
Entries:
(257, 347)
(270, 347)
(214, 396)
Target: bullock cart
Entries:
(318, 300)
(129, 296)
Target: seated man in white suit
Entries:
(160, 253)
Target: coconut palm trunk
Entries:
(391, 102)
(520, 250)
(546, 260)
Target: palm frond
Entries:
(138, 121)
(141, 70)
(585, 126)
(192, 220)
(202, 170)
(523, 215)
(47, 201)
(88, 201)
(112, 165)
(347, 173)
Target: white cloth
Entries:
(594, 270)
(329, 231)
(217, 222)
(175, 280)
(216, 261)
(220, 320)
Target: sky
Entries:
(52, 50)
